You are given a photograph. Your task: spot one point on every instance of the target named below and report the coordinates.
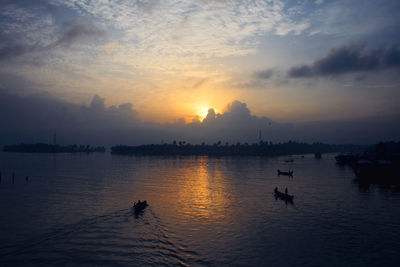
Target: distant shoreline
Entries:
(259, 149)
(186, 149)
(42, 148)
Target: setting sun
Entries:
(203, 113)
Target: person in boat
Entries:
(286, 192)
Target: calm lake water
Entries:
(76, 210)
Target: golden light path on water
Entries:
(203, 192)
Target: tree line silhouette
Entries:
(48, 148)
(263, 148)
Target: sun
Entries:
(202, 113)
(200, 110)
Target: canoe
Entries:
(139, 206)
(283, 196)
(289, 173)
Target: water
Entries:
(75, 210)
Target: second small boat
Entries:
(283, 196)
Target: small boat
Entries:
(139, 206)
(288, 173)
(289, 160)
(283, 196)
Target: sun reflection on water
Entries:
(203, 192)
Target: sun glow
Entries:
(203, 114)
(198, 111)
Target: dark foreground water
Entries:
(75, 210)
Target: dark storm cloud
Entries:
(350, 59)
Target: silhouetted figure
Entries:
(27, 178)
(139, 206)
(286, 192)
(285, 197)
(13, 176)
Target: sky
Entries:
(200, 70)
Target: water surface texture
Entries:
(76, 210)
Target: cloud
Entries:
(17, 83)
(97, 103)
(237, 110)
(266, 79)
(26, 28)
(76, 30)
(264, 74)
(11, 46)
(350, 59)
(31, 33)
(196, 28)
(34, 118)
(237, 124)
(297, 29)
